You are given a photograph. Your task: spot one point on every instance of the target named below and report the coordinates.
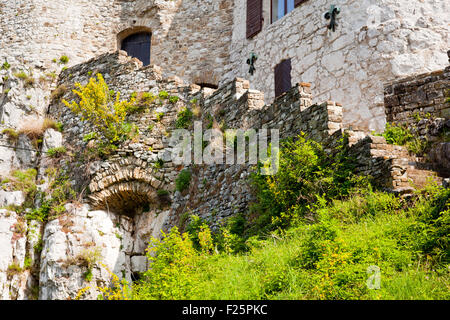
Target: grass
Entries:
(341, 251)
(34, 128)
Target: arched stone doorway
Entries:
(137, 43)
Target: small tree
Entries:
(102, 108)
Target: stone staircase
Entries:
(391, 165)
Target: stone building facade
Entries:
(374, 42)
(198, 53)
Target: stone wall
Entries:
(130, 195)
(418, 95)
(375, 42)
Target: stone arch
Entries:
(125, 197)
(145, 36)
(130, 30)
(124, 189)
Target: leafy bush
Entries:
(328, 259)
(106, 112)
(184, 118)
(163, 95)
(305, 175)
(172, 275)
(400, 135)
(64, 59)
(397, 135)
(56, 152)
(183, 180)
(173, 99)
(5, 66)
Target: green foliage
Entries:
(183, 180)
(12, 134)
(5, 66)
(172, 275)
(398, 135)
(159, 163)
(63, 60)
(106, 112)
(159, 116)
(56, 152)
(163, 95)
(350, 228)
(306, 176)
(184, 119)
(89, 136)
(402, 136)
(52, 202)
(13, 269)
(21, 75)
(173, 99)
(328, 259)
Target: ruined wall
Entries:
(376, 41)
(418, 95)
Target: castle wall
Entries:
(375, 41)
(189, 38)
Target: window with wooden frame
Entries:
(280, 8)
(283, 77)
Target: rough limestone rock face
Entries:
(116, 244)
(374, 42)
(12, 198)
(16, 246)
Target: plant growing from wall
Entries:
(400, 135)
(183, 180)
(184, 118)
(102, 109)
(56, 152)
(5, 66)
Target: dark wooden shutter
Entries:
(299, 2)
(254, 17)
(138, 46)
(282, 77)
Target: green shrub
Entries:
(63, 60)
(13, 135)
(173, 99)
(90, 136)
(56, 152)
(400, 135)
(306, 176)
(397, 135)
(5, 66)
(21, 75)
(159, 116)
(184, 119)
(159, 163)
(173, 272)
(97, 106)
(163, 95)
(183, 180)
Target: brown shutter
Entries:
(282, 77)
(299, 2)
(254, 17)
